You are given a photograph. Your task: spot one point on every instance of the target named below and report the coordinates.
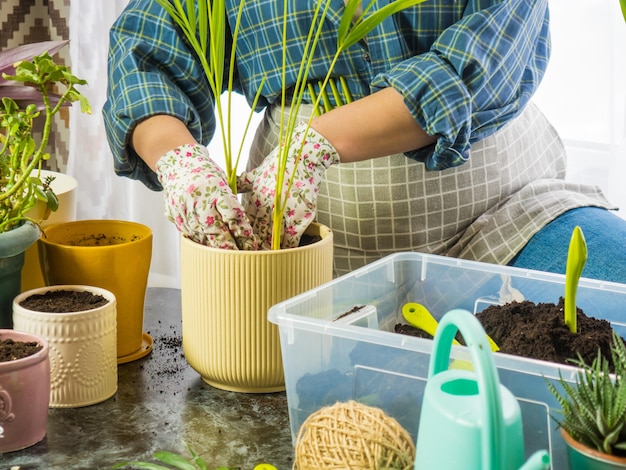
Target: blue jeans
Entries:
(605, 236)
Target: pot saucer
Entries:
(144, 350)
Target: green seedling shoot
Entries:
(576, 259)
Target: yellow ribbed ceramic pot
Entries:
(112, 254)
(226, 295)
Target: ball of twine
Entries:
(355, 436)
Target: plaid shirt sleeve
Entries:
(465, 68)
(151, 71)
(478, 74)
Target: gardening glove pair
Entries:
(199, 201)
(309, 155)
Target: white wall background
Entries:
(584, 91)
(583, 94)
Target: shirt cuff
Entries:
(440, 103)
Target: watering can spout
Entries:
(540, 460)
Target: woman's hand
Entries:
(199, 201)
(316, 155)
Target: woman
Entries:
(441, 152)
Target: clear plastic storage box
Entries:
(338, 340)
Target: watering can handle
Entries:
(487, 377)
(489, 384)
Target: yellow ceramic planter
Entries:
(64, 186)
(112, 254)
(226, 295)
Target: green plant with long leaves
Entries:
(594, 408)
(349, 33)
(209, 22)
(21, 155)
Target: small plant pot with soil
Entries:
(79, 323)
(24, 389)
(112, 254)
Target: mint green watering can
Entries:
(469, 421)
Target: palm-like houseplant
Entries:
(32, 85)
(205, 31)
(593, 409)
(226, 335)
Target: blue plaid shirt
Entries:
(464, 67)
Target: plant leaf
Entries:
(365, 25)
(148, 465)
(175, 460)
(9, 57)
(347, 18)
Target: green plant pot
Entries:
(582, 457)
(13, 244)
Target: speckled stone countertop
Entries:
(160, 403)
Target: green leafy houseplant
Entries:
(209, 21)
(594, 408)
(35, 85)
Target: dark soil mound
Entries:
(11, 350)
(538, 331)
(63, 301)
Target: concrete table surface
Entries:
(161, 402)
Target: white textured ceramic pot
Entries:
(83, 345)
(24, 395)
(226, 295)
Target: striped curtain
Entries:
(28, 21)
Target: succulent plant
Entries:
(593, 409)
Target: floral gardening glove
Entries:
(199, 201)
(317, 154)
